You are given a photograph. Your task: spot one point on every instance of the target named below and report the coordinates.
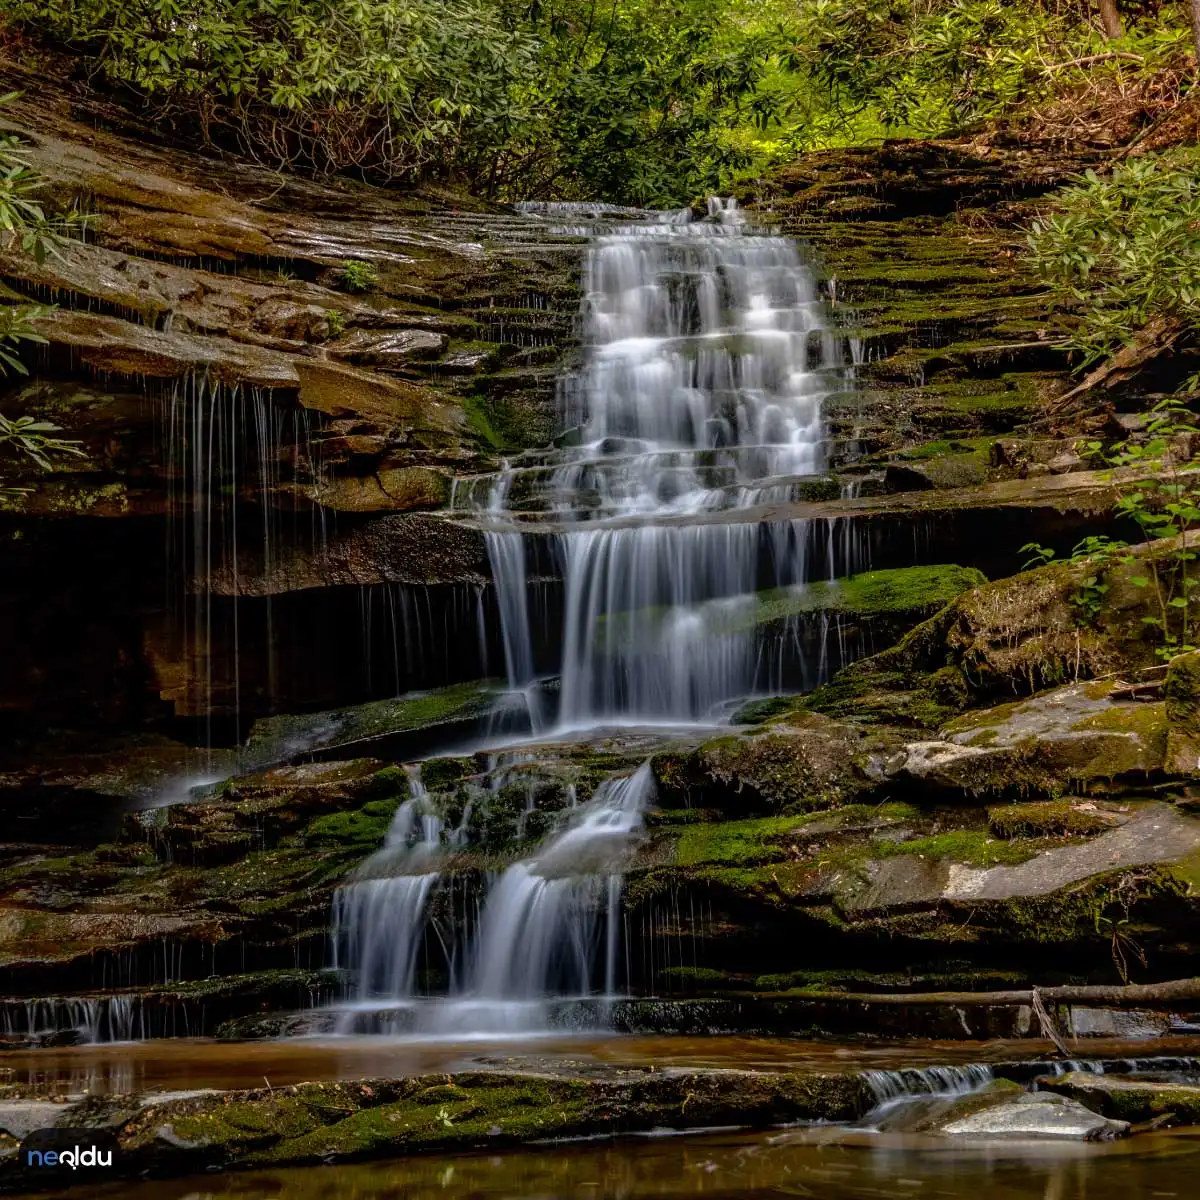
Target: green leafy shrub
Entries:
(392, 84)
(24, 222)
(643, 101)
(1124, 250)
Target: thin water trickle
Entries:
(379, 914)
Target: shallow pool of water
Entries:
(196, 1063)
(825, 1163)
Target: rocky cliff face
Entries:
(262, 525)
(257, 422)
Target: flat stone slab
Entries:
(1158, 834)
(1134, 1100)
(1037, 1116)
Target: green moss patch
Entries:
(735, 842)
(1052, 818)
(973, 847)
(361, 830)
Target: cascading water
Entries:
(549, 929)
(700, 394)
(705, 366)
(379, 914)
(541, 926)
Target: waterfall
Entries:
(701, 390)
(540, 927)
(379, 915)
(549, 929)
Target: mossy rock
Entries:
(283, 737)
(1013, 636)
(1129, 1099)
(801, 762)
(900, 596)
(377, 1118)
(1050, 818)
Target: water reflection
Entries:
(199, 1063)
(816, 1163)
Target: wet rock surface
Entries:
(1137, 1101)
(373, 1118)
(1034, 1116)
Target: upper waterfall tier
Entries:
(705, 366)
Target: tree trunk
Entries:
(1134, 995)
(1111, 19)
(1196, 30)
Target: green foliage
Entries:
(638, 101)
(336, 320)
(23, 221)
(356, 276)
(1165, 504)
(1098, 552)
(18, 324)
(34, 440)
(923, 67)
(393, 84)
(1124, 249)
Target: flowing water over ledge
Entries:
(896, 1068)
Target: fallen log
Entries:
(1134, 995)
(1158, 336)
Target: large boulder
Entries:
(1071, 739)
(1014, 636)
(798, 763)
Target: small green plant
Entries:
(1099, 552)
(24, 222)
(34, 440)
(17, 325)
(1165, 504)
(336, 320)
(283, 275)
(357, 276)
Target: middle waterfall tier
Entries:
(706, 362)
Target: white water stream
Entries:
(705, 365)
(706, 362)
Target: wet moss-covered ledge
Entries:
(313, 1123)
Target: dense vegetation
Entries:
(1123, 250)
(650, 101)
(24, 223)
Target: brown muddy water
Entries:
(825, 1163)
(198, 1063)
